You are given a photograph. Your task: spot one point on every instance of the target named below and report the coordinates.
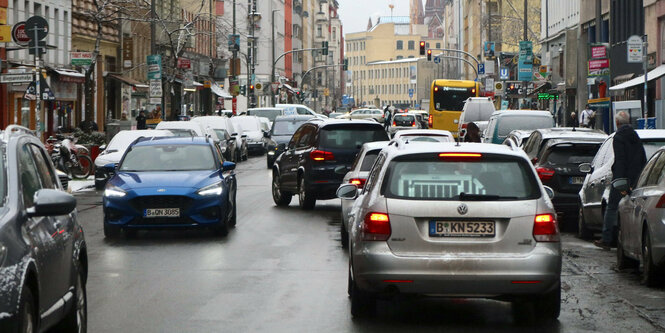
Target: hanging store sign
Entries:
(19, 34)
(184, 63)
(525, 61)
(81, 58)
(635, 50)
(127, 52)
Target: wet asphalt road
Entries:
(283, 270)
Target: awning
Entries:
(69, 75)
(128, 80)
(217, 90)
(624, 77)
(197, 84)
(652, 75)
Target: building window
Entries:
(427, 45)
(438, 45)
(399, 57)
(334, 33)
(319, 31)
(400, 45)
(412, 45)
(410, 56)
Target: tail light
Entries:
(394, 124)
(464, 125)
(376, 227)
(430, 121)
(545, 228)
(661, 202)
(360, 182)
(413, 124)
(545, 173)
(320, 155)
(460, 157)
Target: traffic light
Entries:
(243, 90)
(346, 65)
(251, 89)
(324, 46)
(429, 55)
(422, 48)
(298, 96)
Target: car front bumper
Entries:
(377, 269)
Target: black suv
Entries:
(280, 134)
(318, 156)
(43, 258)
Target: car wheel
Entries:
(363, 304)
(269, 163)
(77, 318)
(238, 156)
(281, 198)
(27, 312)
(623, 261)
(583, 231)
(548, 307)
(111, 231)
(305, 199)
(651, 274)
(344, 235)
(222, 228)
(233, 219)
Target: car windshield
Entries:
(350, 137)
(248, 124)
(268, 113)
(573, 154)
(221, 133)
(369, 159)
(285, 127)
(404, 120)
(523, 122)
(451, 98)
(489, 178)
(181, 132)
(652, 145)
(168, 158)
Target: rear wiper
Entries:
(477, 197)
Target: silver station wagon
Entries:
(447, 220)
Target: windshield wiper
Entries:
(478, 197)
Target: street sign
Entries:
(634, 48)
(489, 84)
(504, 73)
(489, 67)
(36, 23)
(81, 58)
(411, 92)
(16, 78)
(437, 60)
(5, 33)
(498, 86)
(156, 88)
(154, 67)
(30, 93)
(481, 68)
(41, 45)
(19, 34)
(46, 92)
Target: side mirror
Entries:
(233, 138)
(266, 134)
(49, 202)
(234, 134)
(228, 166)
(621, 185)
(347, 191)
(585, 168)
(549, 191)
(243, 136)
(102, 148)
(111, 166)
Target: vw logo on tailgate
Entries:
(462, 209)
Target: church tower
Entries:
(434, 7)
(416, 12)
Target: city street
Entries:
(283, 270)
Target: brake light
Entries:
(376, 227)
(545, 173)
(320, 155)
(459, 157)
(545, 228)
(360, 182)
(430, 121)
(394, 124)
(661, 202)
(464, 125)
(413, 124)
(436, 88)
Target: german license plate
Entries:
(461, 228)
(161, 212)
(577, 180)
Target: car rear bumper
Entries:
(566, 203)
(377, 269)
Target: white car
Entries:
(225, 123)
(192, 126)
(251, 126)
(116, 148)
(299, 109)
(375, 114)
(266, 124)
(425, 135)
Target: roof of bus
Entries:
(455, 83)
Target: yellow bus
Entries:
(446, 100)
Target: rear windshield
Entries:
(350, 137)
(168, 158)
(369, 159)
(489, 178)
(523, 122)
(404, 120)
(426, 138)
(286, 127)
(181, 132)
(221, 133)
(268, 113)
(452, 98)
(571, 154)
(651, 146)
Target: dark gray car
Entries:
(280, 134)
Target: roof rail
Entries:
(11, 129)
(510, 143)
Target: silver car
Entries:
(641, 234)
(469, 220)
(357, 176)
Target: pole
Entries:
(234, 105)
(253, 67)
(38, 90)
(272, 70)
(526, 38)
(645, 45)
(153, 34)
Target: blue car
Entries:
(173, 182)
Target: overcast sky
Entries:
(355, 13)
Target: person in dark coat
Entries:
(629, 160)
(387, 118)
(140, 121)
(472, 133)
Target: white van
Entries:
(476, 110)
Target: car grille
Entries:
(162, 221)
(161, 201)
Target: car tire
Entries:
(269, 163)
(623, 261)
(548, 307)
(281, 198)
(344, 235)
(99, 185)
(583, 231)
(652, 275)
(363, 304)
(76, 320)
(111, 231)
(234, 217)
(27, 312)
(222, 228)
(305, 199)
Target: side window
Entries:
(303, 111)
(30, 182)
(46, 174)
(374, 173)
(218, 151)
(305, 138)
(296, 136)
(646, 172)
(608, 156)
(656, 172)
(598, 159)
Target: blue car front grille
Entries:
(161, 201)
(162, 221)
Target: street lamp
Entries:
(272, 72)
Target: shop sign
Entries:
(184, 63)
(16, 78)
(3, 15)
(127, 52)
(154, 67)
(81, 58)
(525, 61)
(5, 33)
(19, 35)
(598, 52)
(156, 88)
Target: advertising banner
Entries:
(525, 61)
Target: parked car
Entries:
(43, 253)
(454, 220)
(294, 109)
(641, 236)
(270, 113)
(171, 183)
(116, 148)
(251, 127)
(358, 176)
(501, 123)
(333, 115)
(518, 137)
(184, 126)
(402, 121)
(476, 110)
(280, 134)
(595, 189)
(375, 114)
(318, 156)
(425, 135)
(238, 140)
(265, 124)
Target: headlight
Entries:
(213, 189)
(3, 254)
(271, 153)
(114, 192)
(223, 149)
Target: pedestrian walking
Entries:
(585, 116)
(472, 133)
(140, 121)
(387, 118)
(629, 159)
